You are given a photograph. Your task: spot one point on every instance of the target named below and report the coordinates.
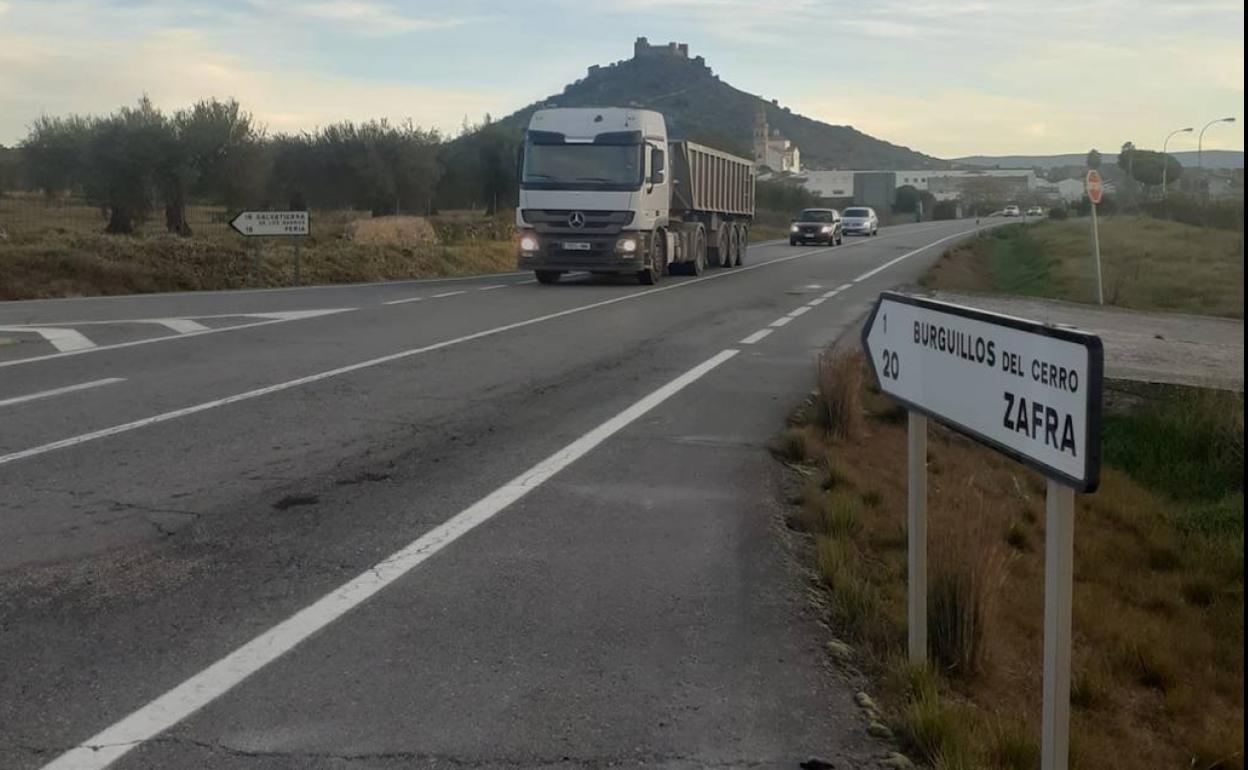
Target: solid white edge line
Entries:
(907, 255)
(781, 321)
(110, 744)
(844, 286)
(799, 311)
(64, 340)
(447, 294)
(495, 286)
(60, 391)
(180, 325)
(403, 301)
(816, 302)
(755, 337)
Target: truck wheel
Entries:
(698, 265)
(743, 244)
(721, 255)
(548, 276)
(730, 256)
(658, 262)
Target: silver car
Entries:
(860, 220)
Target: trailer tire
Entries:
(743, 244)
(698, 265)
(657, 262)
(721, 254)
(548, 276)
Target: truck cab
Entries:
(593, 190)
(603, 190)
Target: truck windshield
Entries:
(583, 164)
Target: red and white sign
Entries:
(1094, 185)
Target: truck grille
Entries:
(559, 221)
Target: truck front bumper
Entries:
(592, 253)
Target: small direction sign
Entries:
(1093, 184)
(1029, 390)
(271, 223)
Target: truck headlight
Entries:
(528, 243)
(626, 246)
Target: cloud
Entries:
(41, 75)
(371, 18)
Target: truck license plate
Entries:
(576, 246)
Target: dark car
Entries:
(816, 226)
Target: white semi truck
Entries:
(604, 191)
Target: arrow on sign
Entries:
(1026, 389)
(271, 223)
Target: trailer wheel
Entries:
(721, 254)
(734, 247)
(743, 244)
(548, 276)
(658, 262)
(698, 265)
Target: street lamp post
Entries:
(1165, 159)
(1200, 140)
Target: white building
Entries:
(943, 184)
(772, 150)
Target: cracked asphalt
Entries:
(642, 606)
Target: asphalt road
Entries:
(453, 523)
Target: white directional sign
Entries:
(257, 223)
(1029, 390)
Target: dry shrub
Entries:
(391, 231)
(838, 404)
(966, 574)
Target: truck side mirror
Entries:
(520, 162)
(656, 166)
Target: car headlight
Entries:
(793, 228)
(826, 229)
(626, 246)
(528, 243)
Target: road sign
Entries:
(1029, 390)
(1093, 184)
(271, 223)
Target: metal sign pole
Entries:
(916, 536)
(1096, 254)
(1059, 548)
(255, 262)
(296, 261)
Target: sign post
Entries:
(1093, 184)
(278, 224)
(1028, 390)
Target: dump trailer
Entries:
(604, 191)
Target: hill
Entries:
(1222, 159)
(701, 107)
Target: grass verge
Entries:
(1147, 264)
(1158, 676)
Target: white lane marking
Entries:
(110, 744)
(907, 255)
(403, 301)
(755, 337)
(244, 396)
(492, 288)
(447, 294)
(270, 318)
(816, 302)
(780, 321)
(60, 391)
(180, 325)
(845, 286)
(799, 311)
(64, 340)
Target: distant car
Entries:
(816, 226)
(860, 220)
(1011, 211)
(1035, 211)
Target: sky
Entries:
(946, 77)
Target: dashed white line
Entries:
(180, 325)
(403, 301)
(755, 337)
(780, 321)
(799, 311)
(110, 744)
(59, 391)
(64, 340)
(447, 294)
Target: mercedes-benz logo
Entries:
(576, 219)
